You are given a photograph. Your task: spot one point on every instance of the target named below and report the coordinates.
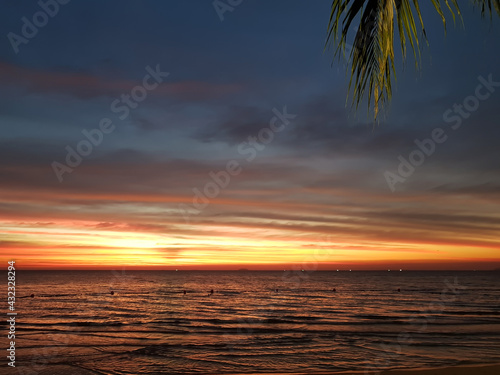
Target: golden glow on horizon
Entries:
(72, 244)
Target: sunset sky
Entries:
(316, 193)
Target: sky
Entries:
(170, 135)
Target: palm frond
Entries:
(372, 55)
(486, 6)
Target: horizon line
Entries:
(258, 270)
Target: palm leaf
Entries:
(372, 55)
(486, 5)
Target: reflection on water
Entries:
(150, 326)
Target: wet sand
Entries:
(459, 370)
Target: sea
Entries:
(216, 322)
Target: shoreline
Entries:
(475, 369)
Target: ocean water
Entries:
(255, 321)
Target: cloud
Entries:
(170, 252)
(236, 126)
(85, 86)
